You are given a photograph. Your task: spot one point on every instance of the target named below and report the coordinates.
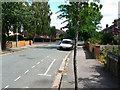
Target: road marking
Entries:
(26, 87)
(17, 78)
(38, 63)
(49, 67)
(26, 71)
(44, 75)
(7, 86)
(33, 66)
(44, 58)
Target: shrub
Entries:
(115, 50)
(101, 38)
(13, 38)
(27, 38)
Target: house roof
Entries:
(60, 31)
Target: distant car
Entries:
(66, 44)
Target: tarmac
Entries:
(90, 73)
(18, 49)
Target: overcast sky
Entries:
(109, 12)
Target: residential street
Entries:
(32, 68)
(91, 74)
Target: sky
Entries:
(109, 12)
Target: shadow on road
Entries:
(88, 55)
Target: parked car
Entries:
(66, 44)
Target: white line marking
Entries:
(33, 66)
(26, 71)
(47, 56)
(49, 67)
(38, 63)
(26, 87)
(44, 75)
(17, 78)
(7, 86)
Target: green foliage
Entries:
(115, 50)
(117, 37)
(13, 38)
(103, 52)
(89, 17)
(52, 31)
(101, 38)
(28, 38)
(103, 55)
(33, 18)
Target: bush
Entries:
(42, 39)
(38, 39)
(27, 38)
(115, 50)
(101, 38)
(13, 38)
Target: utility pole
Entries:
(75, 48)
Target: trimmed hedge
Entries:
(13, 38)
(41, 40)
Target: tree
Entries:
(52, 32)
(11, 17)
(89, 18)
(79, 15)
(33, 18)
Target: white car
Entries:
(66, 44)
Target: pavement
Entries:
(91, 74)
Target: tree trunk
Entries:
(75, 51)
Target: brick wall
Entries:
(12, 44)
(27, 43)
(93, 49)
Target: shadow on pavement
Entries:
(101, 79)
(88, 55)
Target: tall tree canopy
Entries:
(34, 17)
(89, 17)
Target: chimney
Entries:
(106, 25)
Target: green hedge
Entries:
(13, 38)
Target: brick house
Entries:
(59, 32)
(113, 30)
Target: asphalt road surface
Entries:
(32, 68)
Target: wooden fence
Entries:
(12, 44)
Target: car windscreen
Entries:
(66, 42)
